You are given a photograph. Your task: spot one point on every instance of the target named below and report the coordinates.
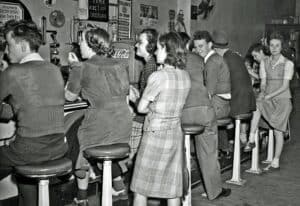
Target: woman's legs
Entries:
(253, 128)
(254, 124)
(278, 147)
(139, 200)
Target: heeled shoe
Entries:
(249, 146)
(77, 202)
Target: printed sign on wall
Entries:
(10, 11)
(124, 27)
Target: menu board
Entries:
(98, 10)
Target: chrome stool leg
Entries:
(255, 157)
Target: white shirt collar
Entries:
(31, 57)
(208, 55)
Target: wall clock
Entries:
(57, 18)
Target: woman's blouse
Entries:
(283, 69)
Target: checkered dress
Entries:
(158, 166)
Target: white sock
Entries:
(275, 163)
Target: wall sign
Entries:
(10, 11)
(124, 27)
(98, 10)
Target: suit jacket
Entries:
(242, 95)
(216, 75)
(198, 95)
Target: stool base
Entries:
(239, 182)
(252, 171)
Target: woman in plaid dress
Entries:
(158, 167)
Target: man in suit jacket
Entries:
(216, 73)
(198, 109)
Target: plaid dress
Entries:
(158, 166)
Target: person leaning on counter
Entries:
(35, 91)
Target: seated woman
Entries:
(274, 100)
(158, 166)
(104, 83)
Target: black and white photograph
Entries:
(149, 103)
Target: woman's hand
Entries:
(134, 94)
(261, 96)
(72, 58)
(267, 97)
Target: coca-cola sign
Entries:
(121, 53)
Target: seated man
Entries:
(34, 89)
(198, 110)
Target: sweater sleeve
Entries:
(211, 77)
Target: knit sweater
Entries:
(35, 90)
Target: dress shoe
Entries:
(249, 146)
(270, 168)
(224, 193)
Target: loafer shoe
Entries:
(249, 146)
(224, 193)
(270, 168)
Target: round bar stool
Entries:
(107, 153)
(236, 171)
(224, 121)
(255, 157)
(188, 130)
(43, 172)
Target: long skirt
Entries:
(159, 163)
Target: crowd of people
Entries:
(193, 80)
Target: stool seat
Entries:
(224, 121)
(192, 128)
(114, 151)
(243, 116)
(46, 169)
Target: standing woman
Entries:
(274, 100)
(104, 83)
(158, 167)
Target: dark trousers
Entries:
(206, 147)
(24, 150)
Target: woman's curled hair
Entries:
(98, 40)
(176, 55)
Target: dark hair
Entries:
(198, 35)
(257, 47)
(277, 35)
(250, 59)
(24, 31)
(98, 40)
(151, 35)
(185, 38)
(176, 55)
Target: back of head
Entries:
(220, 39)
(174, 47)
(98, 40)
(152, 36)
(24, 31)
(185, 38)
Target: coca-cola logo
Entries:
(121, 53)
